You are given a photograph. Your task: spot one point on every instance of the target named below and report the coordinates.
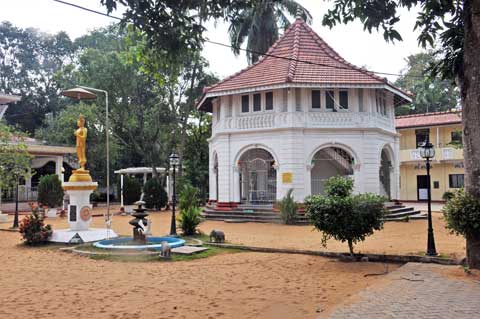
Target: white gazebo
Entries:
(298, 116)
(145, 172)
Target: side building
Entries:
(445, 132)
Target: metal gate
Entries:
(328, 162)
(258, 177)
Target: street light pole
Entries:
(428, 152)
(174, 161)
(431, 250)
(173, 226)
(15, 219)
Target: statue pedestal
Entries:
(80, 209)
(80, 215)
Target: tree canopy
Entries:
(431, 92)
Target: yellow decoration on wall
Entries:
(287, 178)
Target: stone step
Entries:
(417, 216)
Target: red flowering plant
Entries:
(33, 229)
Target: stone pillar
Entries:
(236, 184)
(58, 167)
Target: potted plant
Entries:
(132, 190)
(50, 194)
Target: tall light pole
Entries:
(174, 161)
(427, 151)
(84, 93)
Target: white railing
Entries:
(307, 120)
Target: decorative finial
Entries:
(299, 15)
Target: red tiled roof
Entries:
(299, 42)
(428, 119)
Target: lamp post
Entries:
(174, 161)
(427, 151)
(84, 93)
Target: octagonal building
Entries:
(298, 116)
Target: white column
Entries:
(121, 190)
(236, 184)
(144, 178)
(58, 167)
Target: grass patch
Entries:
(107, 255)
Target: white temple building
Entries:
(298, 116)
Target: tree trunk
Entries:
(350, 247)
(470, 94)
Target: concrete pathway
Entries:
(416, 291)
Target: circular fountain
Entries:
(140, 239)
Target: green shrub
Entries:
(188, 197)
(154, 194)
(343, 216)
(132, 190)
(339, 186)
(448, 195)
(50, 191)
(33, 229)
(288, 208)
(189, 219)
(462, 214)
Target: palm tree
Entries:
(261, 24)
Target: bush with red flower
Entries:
(33, 229)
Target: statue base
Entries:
(80, 175)
(80, 209)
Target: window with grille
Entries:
(330, 100)
(421, 136)
(257, 102)
(343, 97)
(456, 137)
(316, 99)
(456, 180)
(269, 101)
(245, 104)
(285, 100)
(298, 99)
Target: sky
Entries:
(350, 41)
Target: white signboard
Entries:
(423, 193)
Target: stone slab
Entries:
(188, 250)
(81, 236)
(3, 218)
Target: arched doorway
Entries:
(385, 174)
(215, 171)
(258, 177)
(328, 162)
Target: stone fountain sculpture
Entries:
(141, 225)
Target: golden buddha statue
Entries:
(81, 135)
(81, 174)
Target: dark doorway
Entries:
(422, 187)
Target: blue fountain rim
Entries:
(152, 243)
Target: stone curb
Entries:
(10, 230)
(344, 256)
(95, 253)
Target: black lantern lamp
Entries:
(174, 162)
(427, 152)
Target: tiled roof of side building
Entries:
(300, 56)
(428, 119)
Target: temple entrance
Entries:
(258, 177)
(328, 162)
(385, 174)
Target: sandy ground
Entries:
(47, 283)
(395, 238)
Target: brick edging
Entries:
(345, 256)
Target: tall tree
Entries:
(260, 25)
(29, 65)
(455, 27)
(431, 92)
